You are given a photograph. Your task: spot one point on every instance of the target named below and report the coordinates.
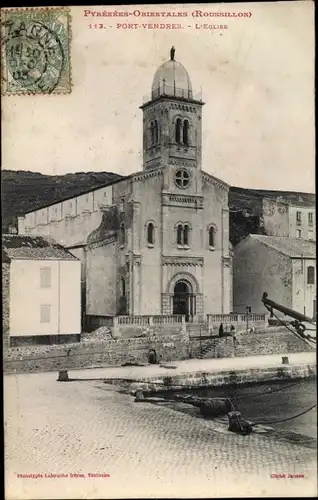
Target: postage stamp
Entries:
(35, 51)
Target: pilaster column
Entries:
(136, 289)
(137, 231)
(225, 232)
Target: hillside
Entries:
(24, 190)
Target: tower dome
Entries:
(171, 79)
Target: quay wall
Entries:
(105, 353)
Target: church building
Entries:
(155, 242)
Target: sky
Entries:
(257, 80)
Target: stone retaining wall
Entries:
(201, 379)
(97, 354)
(136, 350)
(250, 344)
(129, 331)
(271, 342)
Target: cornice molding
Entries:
(183, 162)
(216, 182)
(184, 200)
(183, 107)
(101, 243)
(177, 261)
(146, 175)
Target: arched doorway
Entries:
(183, 299)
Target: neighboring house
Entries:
(155, 242)
(41, 291)
(283, 267)
(272, 213)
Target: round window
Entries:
(182, 178)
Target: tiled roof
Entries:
(293, 247)
(27, 247)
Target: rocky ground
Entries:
(87, 427)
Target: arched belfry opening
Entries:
(172, 117)
(183, 299)
(178, 131)
(185, 133)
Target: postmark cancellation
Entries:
(35, 51)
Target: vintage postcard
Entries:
(159, 251)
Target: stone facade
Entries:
(272, 213)
(97, 354)
(156, 242)
(116, 352)
(285, 276)
(196, 380)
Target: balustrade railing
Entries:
(149, 320)
(166, 319)
(169, 90)
(235, 318)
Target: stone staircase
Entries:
(216, 347)
(197, 330)
(206, 350)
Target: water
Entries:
(267, 404)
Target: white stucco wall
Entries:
(27, 296)
(304, 293)
(308, 229)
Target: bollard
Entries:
(63, 376)
(285, 360)
(237, 424)
(139, 396)
(234, 419)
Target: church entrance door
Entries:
(183, 300)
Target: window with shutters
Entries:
(45, 277)
(45, 313)
(310, 218)
(311, 275)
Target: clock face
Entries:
(182, 178)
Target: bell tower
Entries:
(172, 128)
